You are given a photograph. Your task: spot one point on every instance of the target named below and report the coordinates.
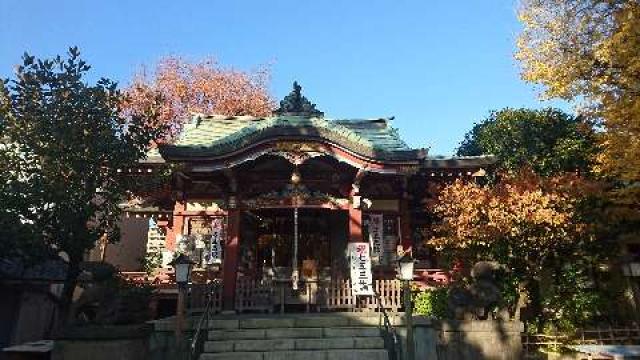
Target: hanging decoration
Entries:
(360, 264)
(295, 276)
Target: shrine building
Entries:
(277, 200)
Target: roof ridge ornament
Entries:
(298, 105)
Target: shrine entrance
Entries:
(289, 256)
(275, 242)
(270, 204)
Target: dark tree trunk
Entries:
(66, 299)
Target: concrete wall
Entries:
(36, 317)
(162, 340)
(123, 349)
(132, 247)
(467, 340)
(27, 313)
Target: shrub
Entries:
(431, 302)
(151, 262)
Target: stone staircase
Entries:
(334, 336)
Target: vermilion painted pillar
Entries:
(230, 266)
(405, 225)
(355, 210)
(355, 225)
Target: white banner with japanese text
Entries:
(360, 263)
(215, 242)
(375, 229)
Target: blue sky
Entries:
(437, 66)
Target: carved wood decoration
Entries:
(292, 195)
(298, 153)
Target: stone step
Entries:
(233, 356)
(348, 354)
(310, 321)
(224, 346)
(292, 333)
(351, 332)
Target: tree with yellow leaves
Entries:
(589, 51)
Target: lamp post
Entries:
(405, 263)
(182, 266)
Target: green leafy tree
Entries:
(549, 141)
(62, 143)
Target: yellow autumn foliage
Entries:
(589, 51)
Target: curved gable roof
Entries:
(215, 136)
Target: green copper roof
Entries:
(213, 136)
(209, 137)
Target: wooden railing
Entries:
(267, 296)
(609, 335)
(390, 292)
(622, 335)
(339, 297)
(335, 295)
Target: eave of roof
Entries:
(459, 162)
(214, 137)
(153, 157)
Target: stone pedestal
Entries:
(468, 339)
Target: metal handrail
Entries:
(389, 329)
(195, 346)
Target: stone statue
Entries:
(108, 299)
(485, 292)
(478, 299)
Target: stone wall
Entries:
(467, 340)
(126, 342)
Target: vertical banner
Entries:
(360, 263)
(390, 250)
(215, 242)
(375, 230)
